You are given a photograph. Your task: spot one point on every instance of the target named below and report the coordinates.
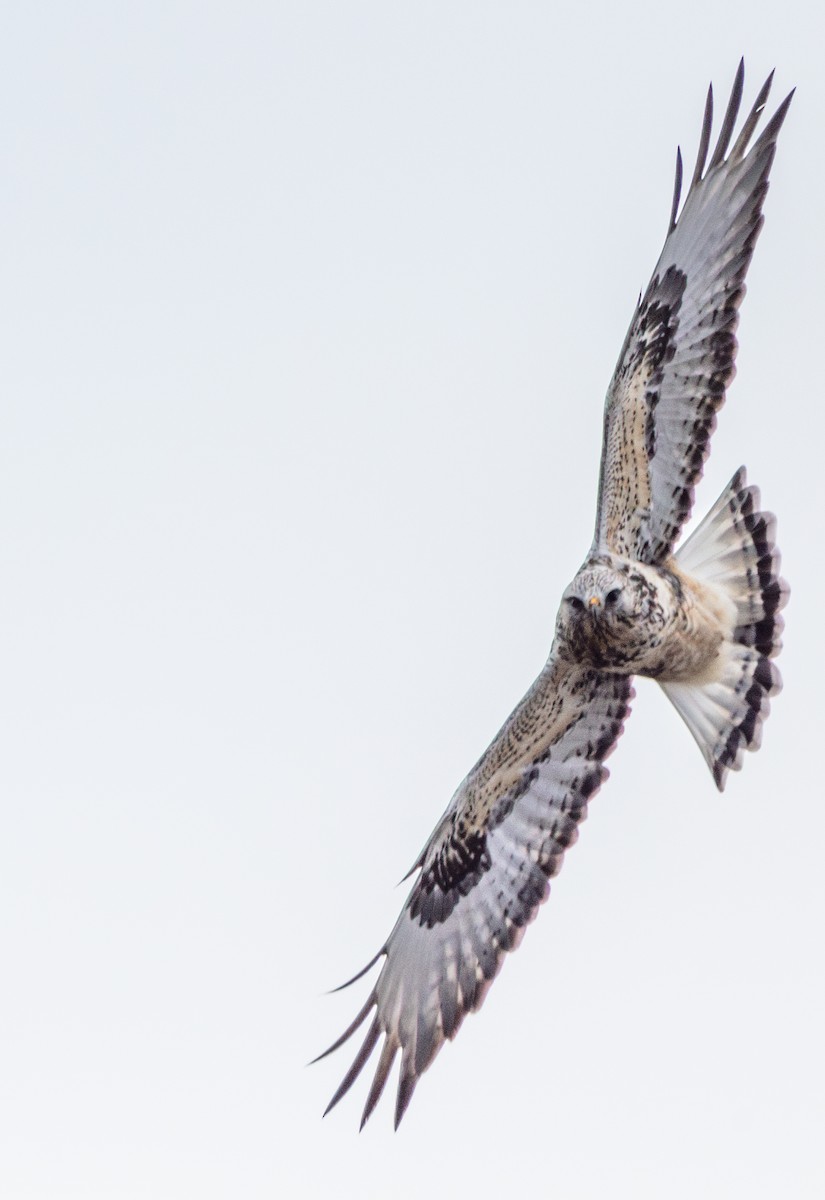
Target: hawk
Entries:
(705, 621)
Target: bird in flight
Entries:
(704, 621)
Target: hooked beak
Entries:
(593, 602)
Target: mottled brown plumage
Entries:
(704, 621)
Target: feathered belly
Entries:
(683, 649)
(677, 636)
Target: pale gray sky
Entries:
(309, 311)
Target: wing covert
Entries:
(678, 357)
(486, 870)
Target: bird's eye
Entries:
(575, 603)
(612, 596)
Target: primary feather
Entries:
(633, 609)
(485, 870)
(679, 353)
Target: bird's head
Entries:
(598, 611)
(597, 592)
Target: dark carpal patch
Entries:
(658, 324)
(461, 861)
(486, 867)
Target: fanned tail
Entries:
(735, 549)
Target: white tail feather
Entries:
(734, 548)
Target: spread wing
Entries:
(678, 357)
(485, 871)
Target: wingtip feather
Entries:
(406, 1087)
(360, 975)
(704, 140)
(388, 1053)
(752, 119)
(677, 190)
(771, 130)
(729, 121)
(349, 1031)
(367, 1047)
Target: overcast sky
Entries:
(308, 313)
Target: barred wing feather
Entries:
(678, 357)
(485, 871)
